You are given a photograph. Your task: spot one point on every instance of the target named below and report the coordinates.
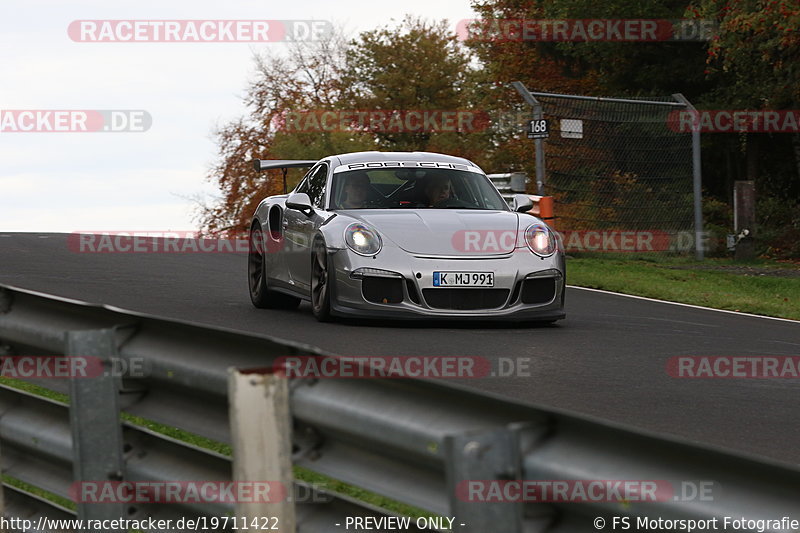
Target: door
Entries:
(301, 227)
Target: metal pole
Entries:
(698, 194)
(4, 351)
(539, 147)
(262, 448)
(697, 177)
(538, 143)
(606, 99)
(2, 503)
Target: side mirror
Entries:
(299, 201)
(522, 203)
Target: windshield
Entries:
(415, 188)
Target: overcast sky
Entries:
(137, 181)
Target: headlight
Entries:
(362, 239)
(540, 240)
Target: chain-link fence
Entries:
(622, 172)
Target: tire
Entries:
(320, 282)
(260, 295)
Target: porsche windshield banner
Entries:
(405, 164)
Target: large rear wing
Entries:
(283, 164)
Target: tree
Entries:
(752, 63)
(506, 60)
(417, 66)
(637, 68)
(755, 62)
(414, 66)
(309, 78)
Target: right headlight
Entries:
(362, 239)
(540, 239)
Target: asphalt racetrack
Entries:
(607, 359)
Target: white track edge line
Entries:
(683, 304)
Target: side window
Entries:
(303, 185)
(316, 185)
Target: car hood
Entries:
(449, 232)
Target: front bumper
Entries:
(414, 297)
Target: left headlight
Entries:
(362, 239)
(540, 240)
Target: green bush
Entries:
(777, 231)
(718, 223)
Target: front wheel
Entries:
(260, 295)
(320, 282)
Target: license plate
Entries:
(463, 279)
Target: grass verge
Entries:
(769, 288)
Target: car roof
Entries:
(363, 157)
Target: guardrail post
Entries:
(4, 350)
(262, 444)
(94, 420)
(2, 497)
(481, 457)
(6, 299)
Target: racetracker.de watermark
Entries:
(478, 241)
(401, 367)
(383, 120)
(735, 121)
(734, 366)
(178, 492)
(69, 367)
(158, 242)
(198, 31)
(584, 30)
(178, 242)
(507, 241)
(583, 490)
(74, 120)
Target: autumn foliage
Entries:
(752, 63)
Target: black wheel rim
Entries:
(319, 279)
(255, 263)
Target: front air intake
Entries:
(382, 290)
(538, 290)
(465, 299)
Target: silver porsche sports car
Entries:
(403, 235)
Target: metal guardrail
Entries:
(410, 440)
(509, 184)
(512, 183)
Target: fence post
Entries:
(539, 150)
(262, 447)
(2, 497)
(744, 218)
(538, 143)
(697, 179)
(94, 420)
